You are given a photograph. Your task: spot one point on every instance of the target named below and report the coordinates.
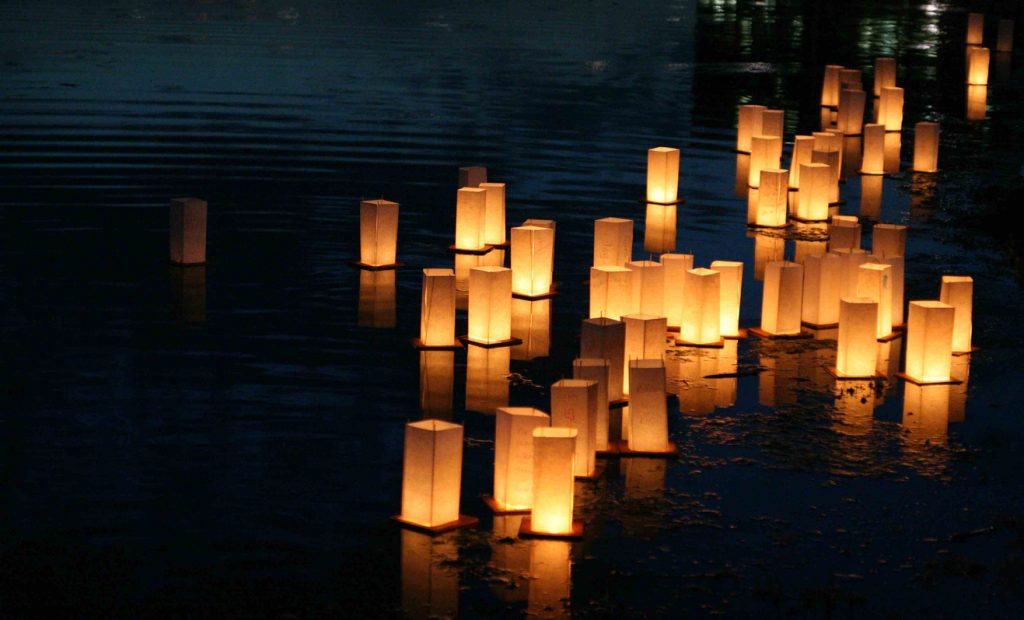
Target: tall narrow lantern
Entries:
(574, 405)
(813, 198)
(553, 484)
(929, 342)
(662, 175)
(926, 147)
(851, 112)
(830, 86)
(432, 476)
(490, 305)
(613, 242)
(648, 415)
(605, 338)
(1004, 37)
(645, 339)
(856, 353)
(437, 311)
(773, 123)
(611, 292)
(977, 66)
(701, 322)
(660, 228)
(843, 232)
(378, 233)
(977, 102)
(975, 28)
(750, 124)
(873, 161)
(803, 146)
(889, 240)
(958, 291)
(513, 457)
(470, 208)
(648, 293)
(494, 213)
(731, 288)
(188, 231)
(773, 199)
(765, 153)
(472, 176)
(885, 74)
(822, 274)
(831, 159)
(890, 108)
(874, 282)
(851, 260)
(896, 270)
(783, 299)
(596, 370)
(533, 252)
(674, 267)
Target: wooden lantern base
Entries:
(551, 293)
(626, 452)
(819, 325)
(368, 267)
(508, 342)
(890, 337)
(499, 510)
(711, 345)
(741, 334)
(802, 220)
(760, 333)
(480, 252)
(677, 201)
(526, 531)
(461, 522)
(906, 377)
(962, 353)
(455, 346)
(832, 370)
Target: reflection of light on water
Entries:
(551, 578)
(777, 384)
(688, 369)
(487, 378)
(855, 406)
(437, 381)
(926, 411)
(429, 590)
(977, 102)
(645, 478)
(511, 557)
(188, 293)
(531, 323)
(742, 175)
(961, 371)
(377, 298)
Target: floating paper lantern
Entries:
(873, 161)
(431, 474)
(494, 213)
(885, 74)
(605, 338)
(896, 270)
(531, 323)
(926, 147)
(611, 292)
(645, 339)
(596, 370)
(874, 282)
(803, 146)
(888, 361)
(843, 232)
(977, 65)
(830, 86)
(822, 274)
(958, 291)
(773, 123)
(613, 242)
(929, 341)
(977, 102)
(890, 108)
(437, 311)
(550, 584)
(926, 411)
(813, 198)
(830, 159)
(487, 384)
(674, 268)
(851, 260)
(660, 228)
(430, 589)
(648, 293)
(648, 415)
(701, 322)
(849, 79)
(662, 174)
(730, 288)
(513, 456)
(376, 299)
(856, 353)
(437, 384)
(871, 196)
(188, 231)
(378, 232)
(553, 481)
(783, 298)
(1004, 37)
(533, 251)
(772, 199)
(470, 210)
(975, 28)
(750, 124)
(851, 112)
(490, 305)
(687, 373)
(472, 176)
(765, 153)
(888, 240)
(767, 248)
(574, 405)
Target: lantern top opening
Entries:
(573, 383)
(380, 202)
(614, 219)
(858, 300)
(930, 303)
(703, 271)
(664, 149)
(434, 425)
(602, 320)
(490, 269)
(953, 279)
(438, 271)
(646, 363)
(612, 268)
(555, 432)
(529, 412)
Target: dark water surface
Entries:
(228, 440)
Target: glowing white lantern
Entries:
(849, 79)
(767, 248)
(843, 232)
(871, 196)
(896, 270)
(873, 160)
(429, 588)
(874, 282)
(958, 291)
(750, 124)
(660, 228)
(831, 159)
(890, 108)
(701, 322)
(885, 74)
(675, 267)
(645, 339)
(613, 241)
(378, 232)
(889, 240)
(605, 338)
(648, 293)
(803, 146)
(648, 415)
(1004, 37)
(596, 370)
(730, 288)
(813, 197)
(376, 299)
(574, 405)
(553, 483)
(662, 174)
(851, 259)
(611, 292)
(773, 123)
(765, 153)
(772, 199)
(487, 384)
(494, 213)
(783, 298)
(531, 323)
(550, 584)
(470, 209)
(830, 86)
(188, 231)
(472, 176)
(977, 102)
(977, 65)
(533, 252)
(975, 28)
(926, 147)
(513, 456)
(851, 112)
(437, 312)
(490, 305)
(437, 384)
(432, 474)
(856, 352)
(822, 274)
(929, 342)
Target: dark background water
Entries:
(229, 440)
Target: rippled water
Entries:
(230, 438)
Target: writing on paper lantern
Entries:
(431, 473)
(662, 174)
(378, 232)
(611, 292)
(613, 242)
(513, 455)
(574, 405)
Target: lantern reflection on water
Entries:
(596, 370)
(777, 383)
(487, 371)
(574, 405)
(430, 588)
(843, 232)
(550, 582)
(873, 161)
(701, 322)
(187, 236)
(888, 240)
(437, 384)
(730, 289)
(376, 298)
(855, 406)
(378, 232)
(926, 411)
(611, 292)
(958, 291)
(513, 456)
(674, 268)
(929, 342)
(605, 338)
(531, 324)
(613, 242)
(977, 102)
(767, 248)
(1004, 36)
(188, 294)
(662, 174)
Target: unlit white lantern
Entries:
(772, 199)
(977, 65)
(611, 291)
(874, 282)
(378, 232)
(822, 274)
(437, 311)
(813, 198)
(873, 159)
(648, 415)
(596, 370)
(487, 384)
(773, 123)
(765, 153)
(494, 213)
(929, 341)
(701, 321)
(490, 305)
(958, 291)
(731, 288)
(975, 28)
(926, 147)
(889, 240)
(1004, 37)
(830, 86)
(188, 231)
(553, 481)
(890, 108)
(851, 112)
(470, 209)
(437, 384)
(574, 405)
(533, 252)
(803, 146)
(513, 456)
(674, 268)
(431, 473)
(660, 228)
(648, 293)
(750, 124)
(605, 338)
(645, 339)
(613, 242)
(662, 174)
(857, 348)
(885, 74)
(531, 323)
(783, 298)
(843, 232)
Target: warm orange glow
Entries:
(888, 240)
(550, 584)
(831, 159)
(674, 268)
(958, 291)
(597, 371)
(765, 153)
(750, 124)
(437, 311)
(470, 209)
(873, 160)
(378, 232)
(975, 28)
(777, 384)
(843, 232)
(874, 282)
(376, 298)
(660, 228)
(533, 254)
(802, 148)
(662, 174)
(926, 411)
(648, 415)
(472, 176)
(929, 341)
(977, 65)
(574, 405)
(742, 175)
(730, 288)
(857, 348)
(605, 338)
(431, 472)
(645, 339)
(783, 298)
(553, 480)
(849, 79)
(490, 304)
(851, 156)
(613, 242)
(893, 144)
(885, 74)
(830, 86)
(851, 259)
(977, 102)
(531, 323)
(648, 293)
(701, 321)
(513, 455)
(188, 231)
(773, 123)
(487, 373)
(437, 384)
(813, 197)
(822, 273)
(611, 292)
(767, 248)
(494, 213)
(772, 206)
(430, 589)
(802, 248)
(871, 196)
(855, 405)
(890, 108)
(896, 269)
(926, 147)
(851, 111)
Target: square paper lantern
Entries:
(490, 305)
(975, 28)
(851, 155)
(873, 160)
(896, 270)
(929, 341)
(885, 74)
(605, 338)
(1004, 37)
(772, 199)
(378, 232)
(431, 473)
(596, 370)
(851, 260)
(926, 147)
(977, 65)
(730, 287)
(857, 348)
(674, 268)
(813, 197)
(889, 240)
(487, 378)
(533, 253)
(750, 124)
(662, 174)
(437, 384)
(531, 323)
(376, 298)
(871, 196)
(513, 456)
(470, 210)
(773, 123)
(803, 146)
(874, 282)
(494, 213)
(958, 291)
(765, 153)
(701, 323)
(648, 293)
(611, 292)
(188, 231)
(783, 298)
(830, 86)
(830, 140)
(843, 232)
(977, 102)
(613, 242)
(851, 112)
(437, 311)
(831, 159)
(554, 454)
(660, 228)
(472, 176)
(574, 405)
(890, 108)
(645, 339)
(822, 273)
(648, 415)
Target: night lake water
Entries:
(227, 440)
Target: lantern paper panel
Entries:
(431, 473)
(513, 455)
(611, 292)
(767, 248)
(605, 338)
(490, 304)
(188, 231)
(873, 160)
(977, 65)
(929, 341)
(772, 207)
(851, 259)
(648, 287)
(896, 270)
(730, 288)
(874, 282)
(430, 588)
(1004, 36)
(701, 320)
(975, 28)
(890, 108)
(597, 371)
(849, 79)
(550, 584)
(750, 123)
(494, 213)
(814, 194)
(783, 298)
(822, 273)
(830, 86)
(843, 232)
(926, 147)
(613, 242)
(831, 159)
(648, 414)
(958, 291)
(437, 310)
(885, 74)
(376, 299)
(487, 384)
(773, 123)
(378, 232)
(888, 240)
(674, 268)
(977, 102)
(857, 347)
(574, 405)
(765, 153)
(437, 384)
(803, 146)
(851, 112)
(553, 480)
(660, 228)
(533, 252)
(662, 174)
(645, 339)
(531, 323)
(470, 210)
(871, 196)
